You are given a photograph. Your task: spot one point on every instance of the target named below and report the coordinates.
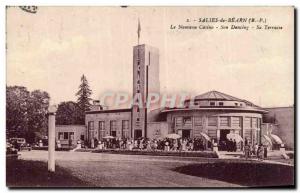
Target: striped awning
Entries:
(234, 136)
(205, 136)
(276, 139)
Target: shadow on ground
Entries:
(245, 174)
(21, 173)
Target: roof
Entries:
(216, 95)
(109, 111)
(222, 109)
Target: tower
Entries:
(145, 81)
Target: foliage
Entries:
(26, 112)
(83, 100)
(68, 113)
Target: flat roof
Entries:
(109, 111)
(245, 109)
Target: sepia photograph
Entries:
(150, 97)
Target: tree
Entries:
(68, 113)
(83, 100)
(26, 112)
(38, 104)
(16, 111)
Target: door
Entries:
(223, 139)
(137, 133)
(186, 134)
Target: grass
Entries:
(21, 173)
(210, 154)
(246, 173)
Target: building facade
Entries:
(215, 115)
(116, 123)
(68, 135)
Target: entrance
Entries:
(186, 134)
(137, 133)
(223, 139)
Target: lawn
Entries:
(23, 173)
(252, 174)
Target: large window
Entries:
(113, 128)
(212, 121)
(60, 135)
(225, 121)
(101, 129)
(187, 121)
(198, 121)
(90, 130)
(66, 135)
(254, 122)
(236, 121)
(71, 134)
(178, 121)
(248, 122)
(125, 128)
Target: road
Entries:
(115, 170)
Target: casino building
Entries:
(212, 115)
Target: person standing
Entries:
(247, 151)
(234, 145)
(260, 153)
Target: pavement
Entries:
(115, 170)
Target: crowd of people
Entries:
(186, 144)
(166, 144)
(258, 151)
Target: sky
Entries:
(50, 50)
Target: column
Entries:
(51, 138)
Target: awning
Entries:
(268, 139)
(234, 136)
(205, 136)
(276, 139)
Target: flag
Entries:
(139, 29)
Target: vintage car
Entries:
(20, 144)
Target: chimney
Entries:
(96, 106)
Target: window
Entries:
(212, 103)
(236, 104)
(66, 135)
(101, 129)
(198, 121)
(236, 121)
(125, 128)
(254, 122)
(248, 123)
(113, 128)
(187, 121)
(82, 137)
(178, 121)
(71, 134)
(91, 125)
(212, 121)
(221, 104)
(224, 121)
(241, 104)
(60, 135)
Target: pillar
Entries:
(51, 138)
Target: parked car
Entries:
(20, 144)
